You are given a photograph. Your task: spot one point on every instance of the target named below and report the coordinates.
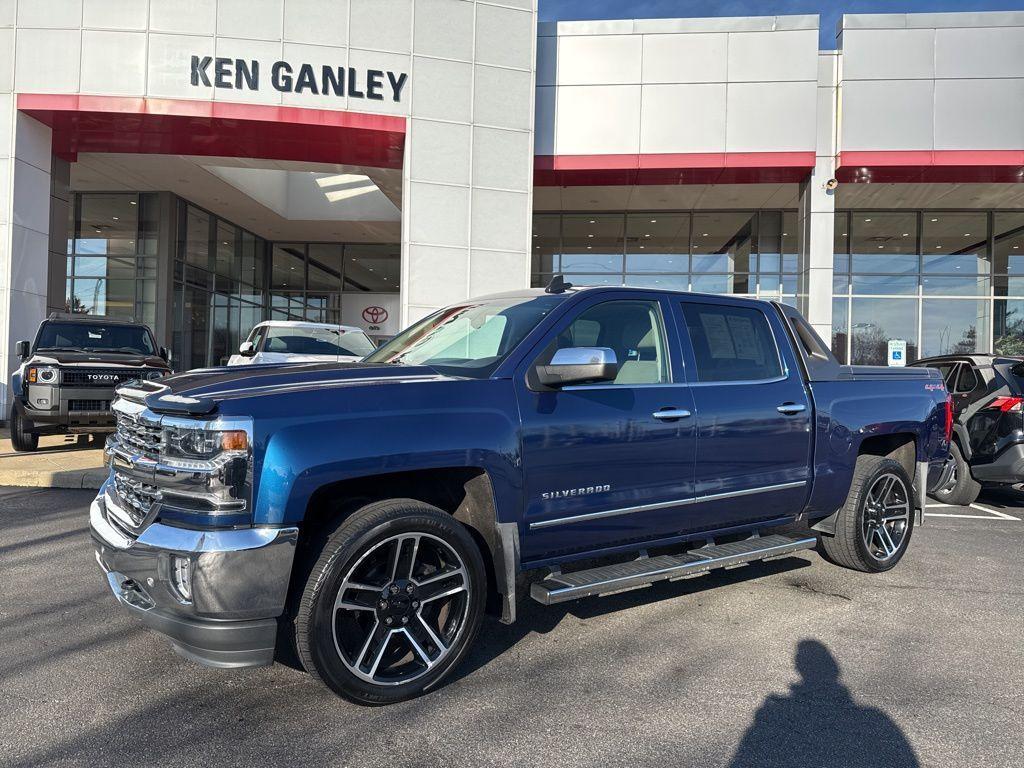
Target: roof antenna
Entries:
(557, 285)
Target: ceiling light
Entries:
(1016, 246)
(592, 221)
(934, 220)
(705, 234)
(867, 219)
(647, 235)
(881, 246)
(590, 235)
(967, 234)
(116, 218)
(654, 221)
(937, 247)
(906, 234)
(642, 247)
(131, 202)
(589, 247)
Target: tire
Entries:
(858, 543)
(426, 621)
(963, 489)
(22, 439)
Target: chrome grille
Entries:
(136, 497)
(139, 437)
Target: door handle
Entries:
(791, 408)
(671, 414)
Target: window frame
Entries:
(684, 331)
(670, 345)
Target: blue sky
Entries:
(829, 10)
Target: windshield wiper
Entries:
(131, 350)
(58, 349)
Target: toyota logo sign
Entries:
(375, 315)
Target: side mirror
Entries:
(165, 354)
(579, 365)
(24, 349)
(247, 349)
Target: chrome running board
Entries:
(559, 587)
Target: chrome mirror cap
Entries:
(579, 365)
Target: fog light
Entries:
(181, 576)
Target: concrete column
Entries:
(816, 213)
(25, 246)
(60, 211)
(467, 191)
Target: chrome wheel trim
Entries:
(397, 626)
(886, 516)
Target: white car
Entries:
(280, 341)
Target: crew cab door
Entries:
(752, 411)
(600, 466)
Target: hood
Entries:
(198, 392)
(98, 359)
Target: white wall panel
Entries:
(964, 110)
(6, 59)
(683, 118)
(437, 276)
(500, 220)
(501, 159)
(317, 56)
(504, 37)
(444, 28)
(773, 56)
(598, 119)
(48, 60)
(439, 214)
(440, 152)
(114, 63)
(985, 52)
(771, 117)
(169, 65)
(116, 14)
(502, 98)
(495, 271)
(887, 114)
(889, 54)
(685, 58)
(193, 17)
(50, 14)
(384, 25)
(314, 21)
(362, 61)
(266, 52)
(250, 19)
(605, 60)
(442, 89)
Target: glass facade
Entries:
(946, 282)
(225, 279)
(749, 253)
(112, 256)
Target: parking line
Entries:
(997, 513)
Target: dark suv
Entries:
(66, 379)
(988, 430)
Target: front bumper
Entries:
(1007, 467)
(239, 584)
(83, 409)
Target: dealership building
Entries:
(206, 164)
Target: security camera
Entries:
(831, 184)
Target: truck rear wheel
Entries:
(21, 438)
(874, 527)
(392, 604)
(961, 488)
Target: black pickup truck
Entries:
(66, 379)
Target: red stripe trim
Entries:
(968, 165)
(681, 168)
(216, 128)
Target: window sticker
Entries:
(716, 331)
(744, 337)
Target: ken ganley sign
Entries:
(247, 74)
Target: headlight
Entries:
(203, 444)
(41, 375)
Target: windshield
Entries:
(94, 337)
(467, 339)
(318, 341)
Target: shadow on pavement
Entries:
(820, 724)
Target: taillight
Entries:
(1007, 404)
(948, 426)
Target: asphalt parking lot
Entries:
(789, 663)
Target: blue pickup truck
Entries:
(559, 443)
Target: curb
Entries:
(74, 478)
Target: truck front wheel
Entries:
(21, 438)
(392, 604)
(874, 526)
